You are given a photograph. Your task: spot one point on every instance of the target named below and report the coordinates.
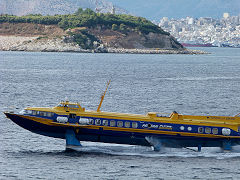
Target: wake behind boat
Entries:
(72, 122)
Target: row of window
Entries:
(127, 124)
(113, 123)
(40, 113)
(208, 130)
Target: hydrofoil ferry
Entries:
(74, 123)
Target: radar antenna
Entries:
(102, 97)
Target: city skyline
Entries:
(224, 31)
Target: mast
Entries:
(102, 97)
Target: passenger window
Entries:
(41, 113)
(105, 122)
(127, 124)
(91, 121)
(72, 116)
(119, 123)
(112, 123)
(98, 122)
(207, 130)
(29, 111)
(200, 130)
(215, 130)
(34, 112)
(49, 114)
(134, 125)
(72, 106)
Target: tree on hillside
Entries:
(122, 28)
(79, 11)
(114, 27)
(89, 12)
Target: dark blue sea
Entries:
(189, 84)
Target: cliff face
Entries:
(135, 40)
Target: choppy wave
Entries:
(140, 82)
(200, 78)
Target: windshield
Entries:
(73, 106)
(24, 111)
(68, 105)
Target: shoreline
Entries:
(155, 51)
(36, 44)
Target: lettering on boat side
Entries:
(148, 125)
(165, 127)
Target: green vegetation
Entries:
(37, 19)
(114, 27)
(88, 18)
(84, 39)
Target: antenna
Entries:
(102, 97)
(113, 10)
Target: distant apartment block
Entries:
(218, 32)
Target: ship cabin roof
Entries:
(65, 106)
(69, 106)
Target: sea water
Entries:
(189, 84)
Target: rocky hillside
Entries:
(134, 40)
(35, 37)
(30, 29)
(38, 37)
